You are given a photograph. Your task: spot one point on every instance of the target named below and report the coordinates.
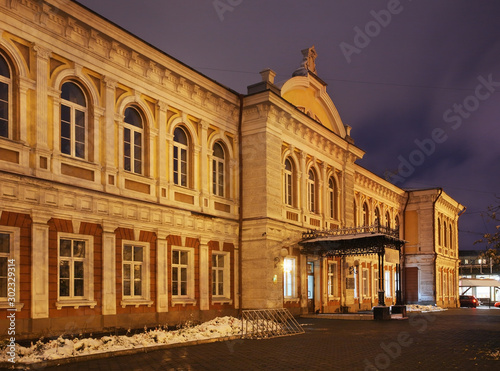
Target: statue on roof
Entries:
(308, 63)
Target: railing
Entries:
(310, 234)
(269, 323)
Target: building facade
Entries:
(134, 191)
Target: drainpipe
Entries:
(240, 214)
(434, 242)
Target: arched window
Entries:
(332, 198)
(440, 241)
(387, 219)
(451, 237)
(5, 98)
(288, 183)
(356, 217)
(366, 215)
(311, 190)
(218, 170)
(73, 121)
(445, 242)
(133, 137)
(377, 216)
(181, 147)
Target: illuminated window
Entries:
(387, 220)
(365, 285)
(387, 282)
(289, 278)
(365, 215)
(332, 279)
(5, 256)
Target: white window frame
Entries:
(311, 191)
(387, 283)
(332, 280)
(14, 253)
(219, 172)
(332, 198)
(145, 297)
(289, 277)
(8, 82)
(226, 279)
(288, 183)
(189, 297)
(375, 283)
(73, 108)
(133, 129)
(365, 283)
(180, 148)
(88, 279)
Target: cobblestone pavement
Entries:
(457, 339)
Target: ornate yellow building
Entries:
(135, 191)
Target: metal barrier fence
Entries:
(269, 323)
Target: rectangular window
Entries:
(180, 267)
(289, 278)
(375, 283)
(387, 281)
(73, 268)
(332, 279)
(218, 275)
(366, 287)
(5, 255)
(355, 272)
(133, 260)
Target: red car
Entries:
(468, 301)
(497, 304)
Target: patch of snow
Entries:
(64, 348)
(423, 308)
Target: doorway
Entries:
(310, 287)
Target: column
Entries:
(204, 275)
(205, 165)
(40, 266)
(162, 150)
(161, 272)
(108, 269)
(109, 140)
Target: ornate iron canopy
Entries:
(351, 241)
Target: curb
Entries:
(124, 352)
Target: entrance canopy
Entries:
(351, 241)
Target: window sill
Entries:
(291, 300)
(333, 298)
(75, 304)
(7, 305)
(183, 302)
(136, 303)
(222, 301)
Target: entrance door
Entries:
(411, 285)
(310, 287)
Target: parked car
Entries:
(497, 304)
(468, 301)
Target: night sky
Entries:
(418, 81)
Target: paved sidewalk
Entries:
(457, 339)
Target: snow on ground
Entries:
(423, 308)
(63, 348)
